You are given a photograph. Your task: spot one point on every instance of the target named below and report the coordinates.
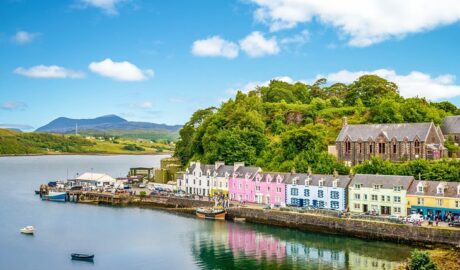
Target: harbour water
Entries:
(133, 238)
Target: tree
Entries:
(421, 260)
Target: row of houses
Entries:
(360, 193)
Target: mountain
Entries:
(112, 125)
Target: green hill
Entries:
(288, 126)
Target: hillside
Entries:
(16, 143)
(284, 127)
(112, 125)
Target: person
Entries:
(437, 220)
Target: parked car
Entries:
(415, 217)
(455, 223)
(142, 185)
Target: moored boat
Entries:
(211, 213)
(28, 230)
(55, 196)
(82, 257)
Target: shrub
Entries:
(421, 260)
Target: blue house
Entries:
(318, 191)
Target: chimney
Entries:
(217, 164)
(236, 165)
(344, 121)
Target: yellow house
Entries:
(434, 198)
(378, 194)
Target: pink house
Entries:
(253, 186)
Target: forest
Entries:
(287, 127)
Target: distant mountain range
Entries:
(112, 125)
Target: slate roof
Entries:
(274, 175)
(221, 170)
(387, 181)
(431, 189)
(398, 131)
(314, 179)
(451, 124)
(243, 170)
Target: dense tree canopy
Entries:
(283, 126)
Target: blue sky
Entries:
(159, 61)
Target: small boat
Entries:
(37, 192)
(239, 219)
(28, 230)
(55, 196)
(211, 213)
(82, 257)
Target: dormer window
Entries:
(307, 181)
(419, 188)
(294, 181)
(397, 188)
(357, 186)
(440, 190)
(335, 183)
(321, 183)
(376, 187)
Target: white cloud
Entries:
(411, 85)
(53, 71)
(365, 22)
(146, 105)
(23, 37)
(215, 46)
(13, 106)
(120, 71)
(256, 45)
(109, 7)
(298, 39)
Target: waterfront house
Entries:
(270, 188)
(451, 127)
(379, 194)
(241, 187)
(221, 176)
(95, 179)
(196, 179)
(319, 191)
(434, 198)
(394, 142)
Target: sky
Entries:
(159, 61)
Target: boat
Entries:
(211, 213)
(239, 219)
(28, 230)
(82, 257)
(37, 192)
(55, 196)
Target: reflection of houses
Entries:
(252, 243)
(395, 142)
(434, 197)
(322, 191)
(451, 127)
(359, 261)
(327, 258)
(380, 194)
(266, 188)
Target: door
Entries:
(315, 203)
(365, 208)
(301, 202)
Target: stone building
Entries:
(451, 127)
(395, 142)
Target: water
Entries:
(132, 238)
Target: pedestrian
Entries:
(437, 220)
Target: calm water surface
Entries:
(132, 238)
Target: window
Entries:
(420, 201)
(295, 201)
(257, 188)
(240, 186)
(307, 202)
(321, 183)
(417, 147)
(307, 182)
(381, 148)
(199, 183)
(357, 206)
(335, 183)
(376, 187)
(357, 196)
(383, 198)
(207, 183)
(321, 204)
(420, 188)
(365, 197)
(357, 186)
(394, 148)
(294, 191)
(320, 194)
(397, 209)
(360, 148)
(334, 204)
(439, 202)
(397, 199)
(347, 147)
(388, 199)
(374, 198)
(397, 188)
(370, 149)
(457, 204)
(277, 199)
(278, 189)
(335, 195)
(306, 192)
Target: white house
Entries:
(95, 179)
(319, 191)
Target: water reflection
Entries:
(227, 245)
